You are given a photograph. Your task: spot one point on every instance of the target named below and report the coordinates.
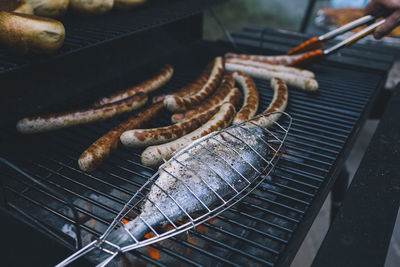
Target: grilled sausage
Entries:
(147, 86)
(273, 67)
(92, 157)
(250, 103)
(176, 103)
(191, 87)
(234, 97)
(278, 103)
(156, 136)
(300, 82)
(215, 99)
(68, 119)
(277, 60)
(154, 156)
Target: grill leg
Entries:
(339, 189)
(307, 16)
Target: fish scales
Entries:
(218, 165)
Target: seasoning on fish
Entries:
(204, 176)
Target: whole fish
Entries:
(214, 169)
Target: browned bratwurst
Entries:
(147, 86)
(190, 88)
(250, 103)
(154, 156)
(234, 97)
(82, 116)
(156, 136)
(176, 103)
(224, 88)
(278, 103)
(92, 157)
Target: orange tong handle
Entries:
(309, 58)
(311, 44)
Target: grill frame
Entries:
(213, 49)
(373, 193)
(279, 42)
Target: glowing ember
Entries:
(202, 229)
(211, 220)
(153, 253)
(191, 241)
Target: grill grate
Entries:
(356, 55)
(270, 152)
(258, 231)
(86, 32)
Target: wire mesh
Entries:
(258, 231)
(83, 33)
(228, 192)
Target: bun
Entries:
(18, 6)
(28, 33)
(49, 8)
(91, 7)
(128, 4)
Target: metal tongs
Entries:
(313, 46)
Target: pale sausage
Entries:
(154, 156)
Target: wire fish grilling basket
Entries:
(205, 198)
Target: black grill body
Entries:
(97, 50)
(48, 191)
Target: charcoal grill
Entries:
(45, 188)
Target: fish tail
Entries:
(110, 255)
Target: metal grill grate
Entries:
(86, 32)
(356, 55)
(258, 231)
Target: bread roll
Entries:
(49, 8)
(91, 7)
(24, 33)
(18, 6)
(128, 4)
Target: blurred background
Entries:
(323, 16)
(236, 14)
(283, 14)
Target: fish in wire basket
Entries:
(195, 185)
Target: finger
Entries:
(391, 22)
(375, 9)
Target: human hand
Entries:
(390, 9)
